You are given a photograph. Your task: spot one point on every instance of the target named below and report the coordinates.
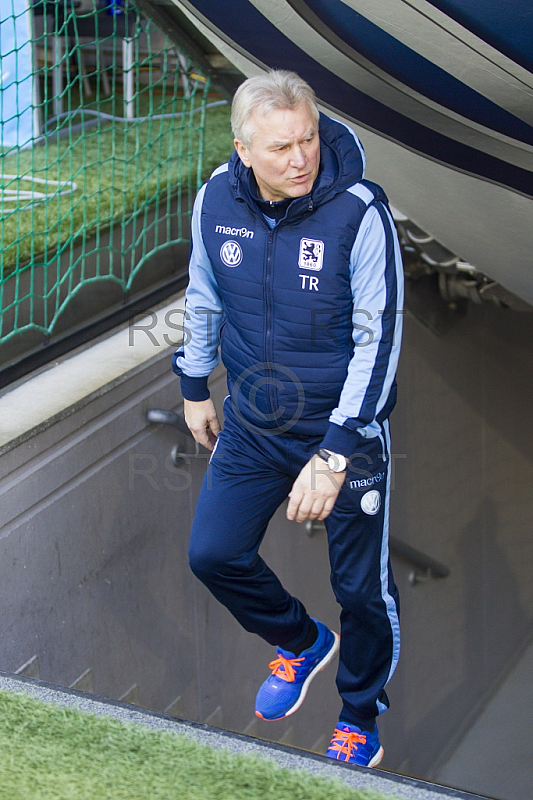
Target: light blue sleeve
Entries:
(376, 275)
(198, 355)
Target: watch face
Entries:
(337, 463)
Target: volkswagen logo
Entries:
(231, 253)
(371, 502)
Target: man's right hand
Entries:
(202, 421)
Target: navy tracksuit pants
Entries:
(249, 476)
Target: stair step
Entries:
(131, 696)
(215, 718)
(175, 709)
(84, 683)
(252, 729)
(31, 669)
(288, 736)
(321, 745)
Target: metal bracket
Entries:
(161, 416)
(314, 526)
(415, 576)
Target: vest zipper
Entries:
(269, 324)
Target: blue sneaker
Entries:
(351, 744)
(284, 691)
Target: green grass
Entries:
(119, 169)
(218, 139)
(49, 752)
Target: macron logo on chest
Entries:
(227, 230)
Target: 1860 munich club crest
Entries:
(311, 254)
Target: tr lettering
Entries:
(311, 280)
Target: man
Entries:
(295, 271)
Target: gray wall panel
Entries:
(93, 553)
(463, 496)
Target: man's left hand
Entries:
(314, 491)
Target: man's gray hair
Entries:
(277, 89)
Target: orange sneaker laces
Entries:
(284, 668)
(343, 741)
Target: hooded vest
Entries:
(286, 335)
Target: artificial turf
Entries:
(49, 752)
(119, 169)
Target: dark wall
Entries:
(94, 528)
(463, 495)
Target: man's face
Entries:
(284, 153)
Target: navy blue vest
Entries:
(286, 337)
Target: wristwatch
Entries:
(335, 461)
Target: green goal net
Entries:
(101, 139)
